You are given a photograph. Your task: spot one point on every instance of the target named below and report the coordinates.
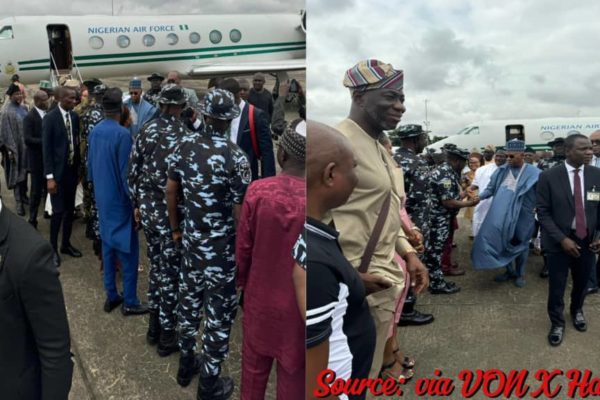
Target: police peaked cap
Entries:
(172, 94)
(90, 84)
(409, 131)
(220, 104)
(558, 140)
(156, 76)
(450, 148)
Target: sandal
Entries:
(406, 361)
(403, 377)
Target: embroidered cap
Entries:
(373, 74)
(515, 145)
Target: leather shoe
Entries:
(20, 210)
(111, 305)
(555, 336)
(56, 260)
(544, 272)
(444, 288)
(415, 318)
(71, 251)
(135, 310)
(579, 321)
(33, 223)
(591, 290)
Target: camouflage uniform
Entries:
(213, 174)
(553, 161)
(151, 96)
(446, 186)
(147, 183)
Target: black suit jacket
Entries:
(35, 358)
(32, 130)
(55, 143)
(556, 205)
(263, 137)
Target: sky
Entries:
(146, 7)
(470, 59)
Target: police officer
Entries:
(446, 202)
(558, 156)
(212, 173)
(417, 178)
(148, 182)
(152, 94)
(90, 118)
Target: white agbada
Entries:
(481, 180)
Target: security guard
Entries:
(147, 184)
(213, 174)
(91, 117)
(152, 94)
(417, 184)
(558, 156)
(446, 202)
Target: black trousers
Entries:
(559, 264)
(63, 207)
(38, 189)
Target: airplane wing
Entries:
(248, 68)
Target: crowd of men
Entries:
(365, 256)
(179, 169)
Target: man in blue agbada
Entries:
(140, 110)
(505, 233)
(108, 156)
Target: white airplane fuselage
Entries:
(105, 46)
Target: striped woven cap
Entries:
(373, 74)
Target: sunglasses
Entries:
(135, 93)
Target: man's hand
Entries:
(374, 283)
(415, 238)
(595, 246)
(137, 218)
(51, 186)
(570, 247)
(475, 200)
(419, 276)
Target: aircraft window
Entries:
(123, 41)
(235, 35)
(148, 40)
(215, 36)
(172, 39)
(96, 42)
(194, 37)
(6, 32)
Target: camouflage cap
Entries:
(450, 148)
(172, 94)
(99, 89)
(409, 131)
(219, 104)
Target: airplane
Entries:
(535, 132)
(198, 46)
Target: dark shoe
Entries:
(153, 334)
(188, 367)
(555, 336)
(591, 290)
(415, 318)
(544, 271)
(215, 388)
(167, 344)
(579, 321)
(444, 288)
(46, 215)
(453, 271)
(33, 223)
(71, 251)
(20, 210)
(111, 305)
(134, 310)
(26, 200)
(505, 277)
(56, 260)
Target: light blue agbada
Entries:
(141, 113)
(509, 224)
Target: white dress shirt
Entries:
(595, 161)
(41, 112)
(235, 123)
(571, 174)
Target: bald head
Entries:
(595, 139)
(40, 99)
(330, 168)
(173, 77)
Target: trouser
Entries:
(446, 261)
(38, 189)
(20, 191)
(63, 207)
(163, 277)
(255, 375)
(520, 261)
(559, 264)
(129, 271)
(438, 235)
(207, 281)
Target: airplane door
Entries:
(59, 41)
(515, 132)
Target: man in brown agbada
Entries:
(377, 105)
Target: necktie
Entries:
(580, 229)
(69, 137)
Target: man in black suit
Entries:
(242, 136)
(60, 137)
(568, 203)
(35, 358)
(32, 130)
